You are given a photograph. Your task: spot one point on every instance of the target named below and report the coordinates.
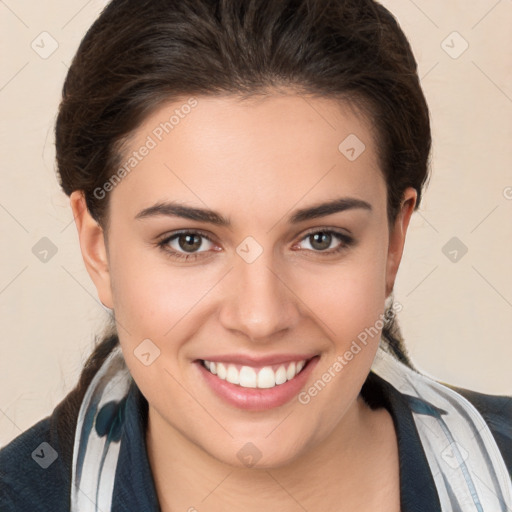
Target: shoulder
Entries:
(34, 470)
(497, 413)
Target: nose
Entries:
(260, 304)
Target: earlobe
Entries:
(93, 248)
(397, 237)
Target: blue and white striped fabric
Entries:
(465, 461)
(97, 436)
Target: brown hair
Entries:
(141, 53)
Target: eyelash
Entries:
(346, 240)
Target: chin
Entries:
(259, 453)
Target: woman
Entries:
(242, 176)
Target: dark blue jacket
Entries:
(26, 485)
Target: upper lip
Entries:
(248, 360)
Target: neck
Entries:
(347, 470)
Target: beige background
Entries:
(456, 317)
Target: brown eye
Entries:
(321, 240)
(189, 242)
(324, 241)
(185, 245)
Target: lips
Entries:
(256, 384)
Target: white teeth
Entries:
(221, 371)
(290, 373)
(233, 375)
(281, 375)
(248, 377)
(266, 378)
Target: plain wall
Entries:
(457, 315)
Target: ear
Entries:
(93, 247)
(397, 237)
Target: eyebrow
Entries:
(174, 209)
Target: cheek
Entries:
(349, 296)
(154, 301)
(349, 301)
(350, 306)
(151, 295)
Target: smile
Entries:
(251, 377)
(256, 384)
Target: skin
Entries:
(255, 162)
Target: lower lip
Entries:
(255, 399)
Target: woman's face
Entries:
(284, 255)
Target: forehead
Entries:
(278, 148)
